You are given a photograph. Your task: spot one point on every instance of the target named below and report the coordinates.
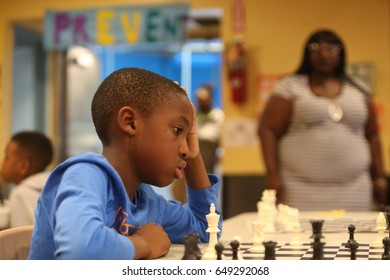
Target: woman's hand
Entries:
(275, 182)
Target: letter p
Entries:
(61, 23)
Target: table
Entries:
(240, 225)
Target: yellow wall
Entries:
(1, 67)
(274, 35)
(278, 29)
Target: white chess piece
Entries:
(282, 216)
(380, 228)
(266, 213)
(293, 218)
(258, 237)
(296, 241)
(212, 220)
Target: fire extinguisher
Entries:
(237, 73)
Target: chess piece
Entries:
(239, 254)
(292, 219)
(386, 246)
(191, 249)
(266, 210)
(351, 230)
(318, 250)
(353, 246)
(317, 229)
(212, 220)
(387, 216)
(219, 249)
(269, 250)
(235, 244)
(380, 228)
(296, 241)
(282, 216)
(258, 237)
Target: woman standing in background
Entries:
(319, 136)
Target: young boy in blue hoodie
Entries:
(101, 206)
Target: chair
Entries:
(15, 243)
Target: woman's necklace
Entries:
(331, 91)
(335, 112)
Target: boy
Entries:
(27, 155)
(102, 206)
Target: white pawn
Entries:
(266, 216)
(292, 218)
(380, 228)
(258, 237)
(212, 220)
(296, 241)
(282, 216)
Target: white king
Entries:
(212, 220)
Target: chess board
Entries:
(305, 252)
(339, 225)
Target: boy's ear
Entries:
(127, 117)
(24, 167)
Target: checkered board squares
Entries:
(305, 252)
(337, 225)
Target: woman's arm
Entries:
(377, 170)
(273, 125)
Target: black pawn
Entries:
(317, 229)
(219, 249)
(387, 216)
(353, 246)
(269, 253)
(386, 245)
(235, 244)
(351, 230)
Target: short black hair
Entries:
(209, 88)
(139, 88)
(36, 146)
(328, 36)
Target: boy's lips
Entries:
(180, 169)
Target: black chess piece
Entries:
(386, 246)
(351, 230)
(191, 249)
(235, 244)
(317, 229)
(387, 216)
(318, 250)
(269, 253)
(219, 249)
(353, 246)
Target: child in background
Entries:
(27, 156)
(101, 206)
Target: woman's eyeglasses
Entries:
(320, 47)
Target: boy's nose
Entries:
(184, 150)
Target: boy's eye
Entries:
(178, 130)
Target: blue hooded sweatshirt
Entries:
(84, 212)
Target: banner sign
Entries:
(115, 26)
